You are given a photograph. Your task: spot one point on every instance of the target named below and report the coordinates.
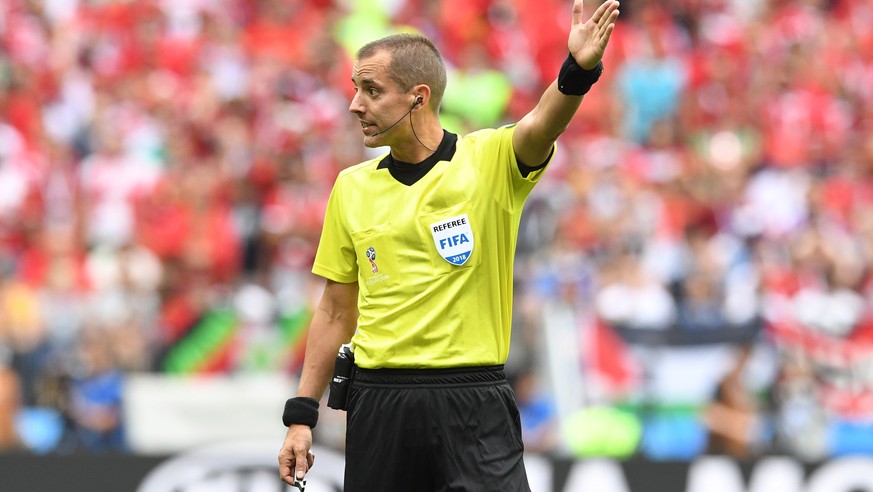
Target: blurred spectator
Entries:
(111, 180)
(95, 397)
(801, 424)
(475, 84)
(651, 80)
(539, 429)
(632, 297)
(734, 417)
(23, 334)
(10, 402)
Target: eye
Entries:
(372, 91)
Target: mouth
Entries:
(367, 127)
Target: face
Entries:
(378, 102)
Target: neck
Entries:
(421, 144)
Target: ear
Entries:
(422, 95)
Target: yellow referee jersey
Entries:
(431, 246)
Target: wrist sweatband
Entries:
(574, 80)
(300, 410)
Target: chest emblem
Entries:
(371, 255)
(453, 239)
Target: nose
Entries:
(355, 105)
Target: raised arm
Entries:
(332, 325)
(538, 130)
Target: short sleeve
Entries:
(335, 258)
(496, 161)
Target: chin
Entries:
(372, 142)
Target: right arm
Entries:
(333, 324)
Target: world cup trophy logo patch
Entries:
(371, 255)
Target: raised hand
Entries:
(588, 40)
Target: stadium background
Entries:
(697, 258)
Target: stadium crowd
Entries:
(164, 166)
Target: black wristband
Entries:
(300, 410)
(574, 80)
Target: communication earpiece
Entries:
(418, 100)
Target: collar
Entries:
(408, 173)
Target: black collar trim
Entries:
(409, 174)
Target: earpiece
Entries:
(418, 100)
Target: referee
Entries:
(417, 250)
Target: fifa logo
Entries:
(371, 255)
(453, 238)
(450, 241)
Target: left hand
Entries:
(588, 40)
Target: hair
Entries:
(414, 60)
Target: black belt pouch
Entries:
(343, 373)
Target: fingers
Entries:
(607, 24)
(286, 463)
(604, 39)
(605, 16)
(291, 468)
(577, 12)
(295, 459)
(302, 466)
(602, 17)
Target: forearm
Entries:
(333, 324)
(538, 130)
(325, 337)
(554, 113)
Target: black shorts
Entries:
(434, 430)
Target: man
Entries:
(417, 249)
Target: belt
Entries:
(435, 377)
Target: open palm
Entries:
(588, 40)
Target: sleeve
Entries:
(496, 161)
(335, 258)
